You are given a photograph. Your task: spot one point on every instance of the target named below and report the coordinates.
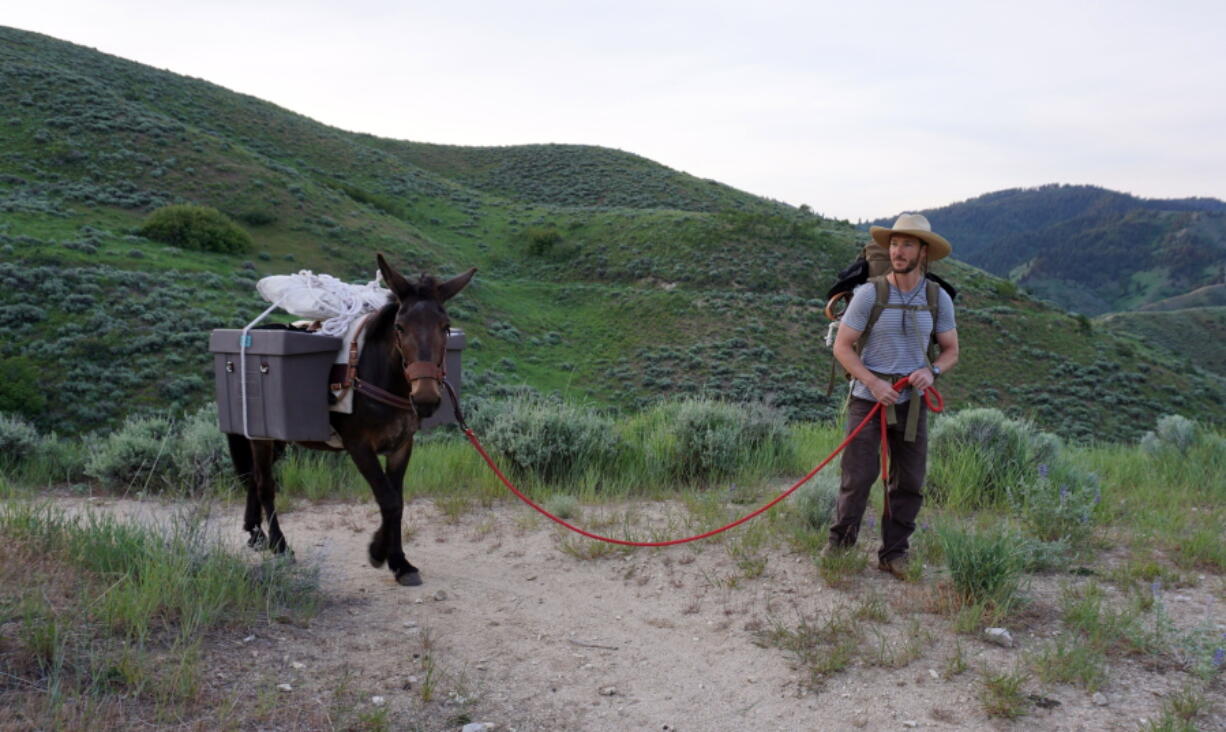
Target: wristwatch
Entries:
(936, 371)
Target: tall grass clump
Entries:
(122, 607)
(698, 441)
(978, 454)
(985, 565)
(549, 440)
(1181, 502)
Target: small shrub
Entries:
(562, 505)
(700, 440)
(201, 453)
(550, 440)
(541, 241)
(977, 454)
(133, 454)
(1058, 502)
(1173, 433)
(196, 227)
(18, 440)
(257, 218)
(816, 499)
(20, 393)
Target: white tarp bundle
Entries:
(323, 297)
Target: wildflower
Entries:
(1043, 470)
(1064, 492)
(925, 526)
(871, 522)
(1156, 587)
(1219, 657)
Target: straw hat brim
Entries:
(938, 247)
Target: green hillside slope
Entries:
(1195, 333)
(1089, 249)
(603, 277)
(575, 175)
(1202, 297)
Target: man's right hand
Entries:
(883, 391)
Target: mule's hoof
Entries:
(257, 541)
(410, 579)
(376, 562)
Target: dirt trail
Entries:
(528, 637)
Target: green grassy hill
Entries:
(1089, 249)
(604, 277)
(575, 175)
(1189, 332)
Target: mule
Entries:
(406, 342)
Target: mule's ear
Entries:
(448, 289)
(399, 285)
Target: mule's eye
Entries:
(400, 329)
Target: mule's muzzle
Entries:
(425, 386)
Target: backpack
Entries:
(872, 265)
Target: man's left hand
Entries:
(920, 379)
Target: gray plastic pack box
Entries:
(287, 383)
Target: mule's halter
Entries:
(418, 370)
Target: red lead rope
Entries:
(937, 407)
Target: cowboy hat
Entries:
(914, 225)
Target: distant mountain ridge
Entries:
(1087, 248)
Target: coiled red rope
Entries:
(929, 395)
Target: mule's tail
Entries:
(241, 455)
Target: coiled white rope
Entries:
(323, 297)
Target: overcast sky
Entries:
(860, 109)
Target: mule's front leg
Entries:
(385, 545)
(397, 463)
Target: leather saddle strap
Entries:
(381, 395)
(351, 368)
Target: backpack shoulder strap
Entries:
(881, 291)
(933, 295)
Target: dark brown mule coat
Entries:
(411, 328)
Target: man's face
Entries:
(906, 253)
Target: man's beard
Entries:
(909, 269)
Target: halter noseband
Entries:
(424, 370)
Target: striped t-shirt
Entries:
(890, 350)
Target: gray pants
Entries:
(861, 467)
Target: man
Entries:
(896, 346)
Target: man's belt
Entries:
(891, 415)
